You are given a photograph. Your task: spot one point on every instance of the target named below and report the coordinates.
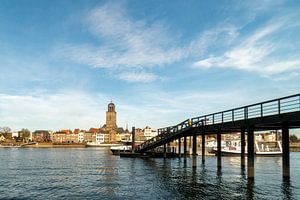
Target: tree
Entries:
(25, 133)
(5, 131)
(293, 138)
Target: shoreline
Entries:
(51, 145)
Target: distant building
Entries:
(59, 137)
(71, 138)
(100, 138)
(88, 136)
(15, 134)
(111, 117)
(2, 138)
(149, 133)
(65, 136)
(139, 134)
(41, 136)
(76, 131)
(110, 128)
(81, 136)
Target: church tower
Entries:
(111, 117)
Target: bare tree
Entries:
(25, 133)
(5, 131)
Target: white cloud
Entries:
(255, 53)
(81, 110)
(138, 77)
(47, 111)
(216, 36)
(128, 44)
(124, 43)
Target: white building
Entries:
(15, 134)
(149, 132)
(100, 138)
(81, 136)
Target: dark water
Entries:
(93, 173)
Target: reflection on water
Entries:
(93, 173)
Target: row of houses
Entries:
(93, 135)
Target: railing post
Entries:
(232, 115)
(246, 113)
(222, 117)
(278, 106)
(214, 114)
(299, 102)
(261, 110)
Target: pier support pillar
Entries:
(285, 151)
(190, 145)
(133, 140)
(179, 148)
(243, 147)
(165, 150)
(219, 141)
(203, 146)
(250, 163)
(194, 149)
(194, 144)
(184, 148)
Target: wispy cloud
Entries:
(82, 110)
(125, 43)
(42, 111)
(144, 77)
(256, 53)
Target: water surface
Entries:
(93, 173)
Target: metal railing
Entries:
(164, 133)
(259, 110)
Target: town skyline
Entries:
(62, 62)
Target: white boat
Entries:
(211, 146)
(94, 144)
(268, 148)
(122, 148)
(262, 148)
(125, 146)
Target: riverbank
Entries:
(52, 145)
(44, 145)
(295, 147)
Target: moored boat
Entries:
(261, 149)
(122, 148)
(125, 146)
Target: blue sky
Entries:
(61, 62)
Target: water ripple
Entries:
(93, 173)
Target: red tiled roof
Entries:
(66, 131)
(94, 130)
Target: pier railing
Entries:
(259, 110)
(165, 133)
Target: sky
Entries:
(160, 62)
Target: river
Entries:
(93, 173)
